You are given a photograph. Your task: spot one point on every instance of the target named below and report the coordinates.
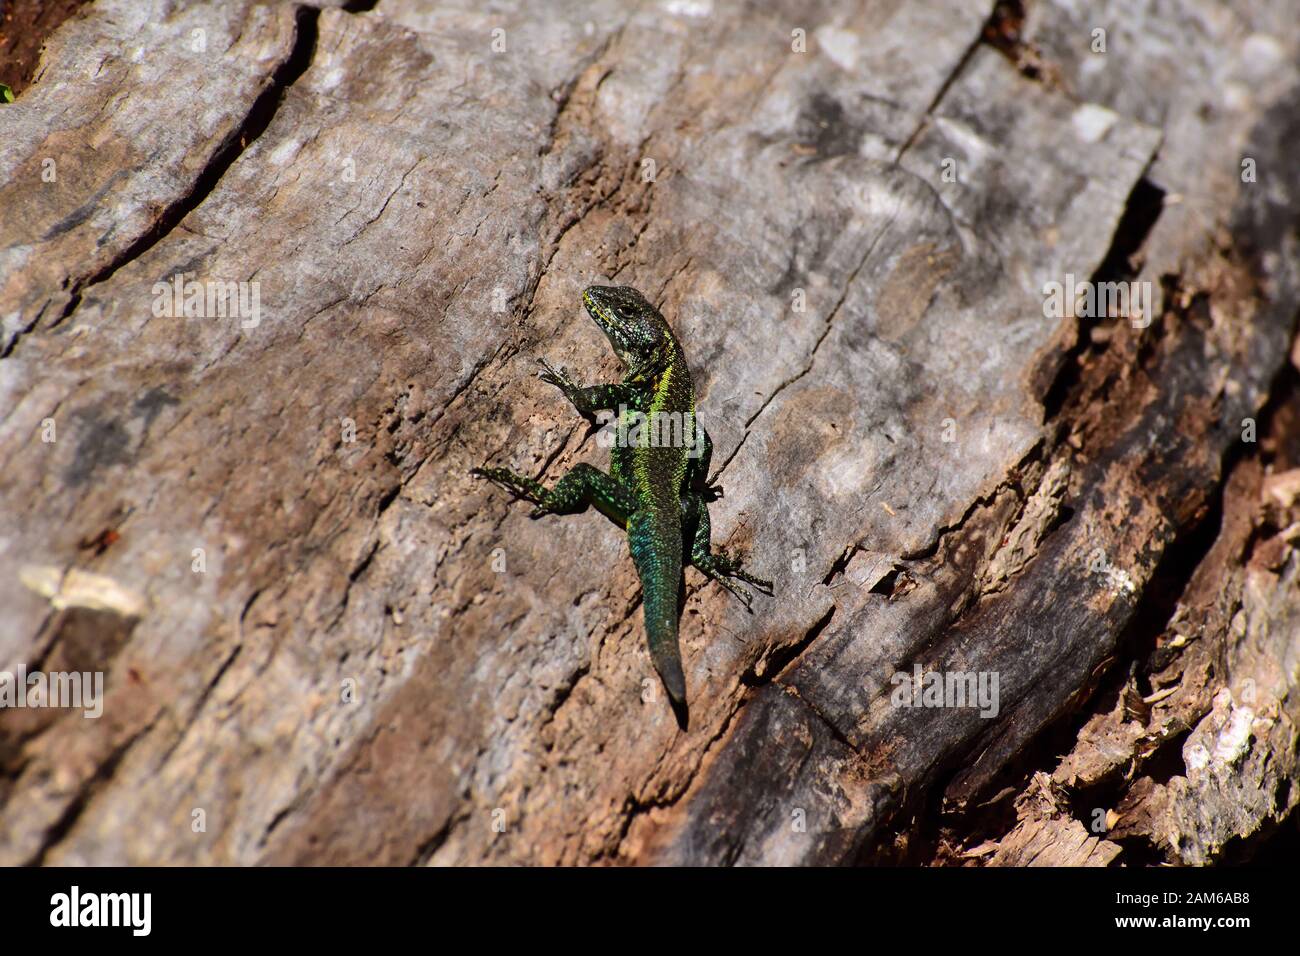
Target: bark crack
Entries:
(254, 124)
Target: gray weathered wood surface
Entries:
(932, 471)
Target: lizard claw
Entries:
(504, 478)
(762, 585)
(553, 376)
(489, 474)
(745, 597)
(735, 570)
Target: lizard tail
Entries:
(664, 653)
(655, 544)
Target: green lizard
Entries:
(657, 490)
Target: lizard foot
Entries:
(760, 583)
(556, 376)
(746, 598)
(517, 485)
(728, 568)
(722, 569)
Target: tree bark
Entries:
(324, 642)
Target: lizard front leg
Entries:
(583, 485)
(717, 565)
(590, 399)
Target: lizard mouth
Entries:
(598, 310)
(609, 323)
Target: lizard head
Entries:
(634, 327)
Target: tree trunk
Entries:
(324, 642)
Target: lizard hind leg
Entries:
(718, 565)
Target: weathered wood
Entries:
(927, 466)
(1047, 835)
